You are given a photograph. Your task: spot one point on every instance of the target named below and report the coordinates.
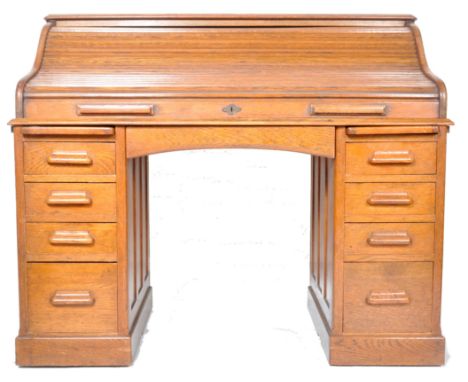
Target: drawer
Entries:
(389, 202)
(75, 299)
(69, 158)
(77, 242)
(207, 110)
(70, 202)
(389, 241)
(379, 158)
(387, 297)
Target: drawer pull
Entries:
(388, 298)
(390, 130)
(77, 158)
(75, 198)
(391, 157)
(69, 130)
(72, 298)
(383, 239)
(71, 238)
(99, 109)
(390, 199)
(374, 109)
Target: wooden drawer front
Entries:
(69, 158)
(71, 242)
(70, 202)
(389, 202)
(387, 297)
(377, 158)
(72, 298)
(389, 241)
(202, 110)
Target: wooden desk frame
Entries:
(377, 203)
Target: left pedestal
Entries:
(73, 267)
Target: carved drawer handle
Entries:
(72, 298)
(392, 157)
(388, 298)
(370, 109)
(78, 158)
(389, 199)
(71, 238)
(382, 239)
(104, 109)
(75, 198)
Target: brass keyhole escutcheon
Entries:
(232, 109)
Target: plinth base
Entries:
(85, 351)
(372, 350)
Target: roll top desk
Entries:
(352, 92)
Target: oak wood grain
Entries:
(208, 109)
(389, 158)
(54, 131)
(123, 224)
(405, 125)
(338, 232)
(20, 88)
(391, 130)
(21, 231)
(311, 140)
(46, 280)
(217, 17)
(416, 241)
(99, 207)
(322, 240)
(115, 109)
(439, 233)
(354, 92)
(348, 109)
(362, 281)
(387, 350)
(47, 242)
(251, 52)
(63, 351)
(389, 202)
(69, 158)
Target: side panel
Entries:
(137, 235)
(322, 244)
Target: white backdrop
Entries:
(230, 227)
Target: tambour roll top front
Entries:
(366, 58)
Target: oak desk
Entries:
(353, 92)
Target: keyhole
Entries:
(231, 109)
